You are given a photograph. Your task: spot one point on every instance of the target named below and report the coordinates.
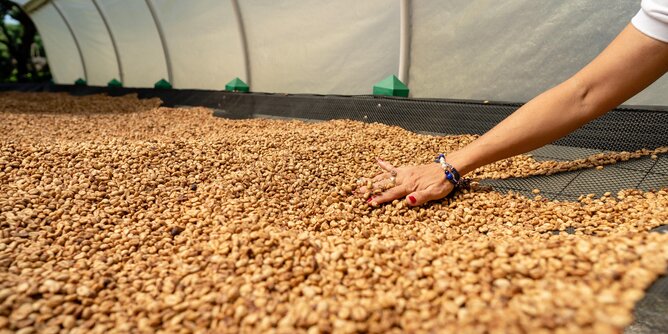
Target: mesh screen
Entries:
(619, 130)
(623, 129)
(639, 173)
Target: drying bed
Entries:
(118, 215)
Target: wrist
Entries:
(461, 162)
(450, 172)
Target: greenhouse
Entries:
(299, 166)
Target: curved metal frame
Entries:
(244, 43)
(113, 40)
(404, 40)
(161, 33)
(74, 37)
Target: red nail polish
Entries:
(369, 200)
(412, 199)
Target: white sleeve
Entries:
(652, 19)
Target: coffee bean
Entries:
(94, 191)
(176, 230)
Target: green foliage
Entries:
(7, 70)
(22, 55)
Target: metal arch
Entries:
(404, 40)
(161, 33)
(74, 37)
(113, 40)
(33, 5)
(244, 42)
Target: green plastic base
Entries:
(114, 83)
(237, 85)
(163, 84)
(81, 82)
(391, 86)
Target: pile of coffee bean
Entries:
(117, 215)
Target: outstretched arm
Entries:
(630, 63)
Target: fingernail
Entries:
(369, 200)
(412, 199)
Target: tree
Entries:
(18, 41)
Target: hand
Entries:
(418, 184)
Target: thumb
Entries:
(420, 197)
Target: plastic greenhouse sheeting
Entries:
(202, 42)
(61, 49)
(512, 50)
(311, 46)
(138, 42)
(94, 40)
(480, 49)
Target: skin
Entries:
(630, 63)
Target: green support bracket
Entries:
(162, 84)
(237, 85)
(80, 82)
(114, 83)
(391, 86)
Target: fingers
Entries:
(420, 197)
(381, 177)
(377, 188)
(419, 184)
(389, 195)
(377, 182)
(371, 184)
(385, 165)
(378, 179)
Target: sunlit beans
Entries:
(120, 216)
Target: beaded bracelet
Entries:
(451, 173)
